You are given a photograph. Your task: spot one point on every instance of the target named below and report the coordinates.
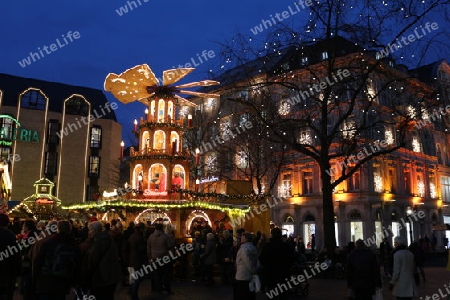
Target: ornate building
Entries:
(404, 192)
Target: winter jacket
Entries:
(403, 274)
(246, 261)
(210, 255)
(363, 270)
(159, 244)
(104, 261)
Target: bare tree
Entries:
(330, 92)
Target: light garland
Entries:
(231, 209)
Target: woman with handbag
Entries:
(246, 261)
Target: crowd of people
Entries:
(47, 260)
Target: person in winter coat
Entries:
(136, 252)
(158, 246)
(56, 284)
(277, 267)
(9, 268)
(103, 263)
(363, 272)
(402, 282)
(246, 267)
(209, 258)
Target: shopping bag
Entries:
(255, 284)
(378, 294)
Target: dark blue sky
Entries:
(162, 34)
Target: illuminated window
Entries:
(285, 190)
(242, 158)
(304, 60)
(76, 106)
(33, 100)
(7, 129)
(324, 55)
(445, 188)
(94, 166)
(96, 137)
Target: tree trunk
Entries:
(328, 210)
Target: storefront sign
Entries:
(19, 134)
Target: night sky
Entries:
(162, 34)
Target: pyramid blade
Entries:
(198, 83)
(203, 95)
(131, 85)
(184, 102)
(173, 75)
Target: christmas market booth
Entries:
(42, 205)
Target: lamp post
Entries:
(409, 212)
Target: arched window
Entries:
(33, 99)
(161, 106)
(76, 106)
(157, 178)
(178, 177)
(310, 218)
(145, 141)
(170, 110)
(159, 140)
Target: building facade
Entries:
(67, 134)
(405, 192)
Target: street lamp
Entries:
(409, 212)
(122, 144)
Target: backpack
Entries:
(63, 261)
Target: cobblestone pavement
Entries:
(320, 288)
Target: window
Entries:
(392, 180)
(420, 186)
(439, 153)
(33, 100)
(353, 182)
(445, 188)
(324, 55)
(305, 137)
(377, 180)
(96, 137)
(304, 60)
(76, 106)
(307, 183)
(51, 159)
(52, 130)
(407, 184)
(241, 158)
(94, 166)
(5, 154)
(285, 190)
(7, 129)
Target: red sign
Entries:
(44, 201)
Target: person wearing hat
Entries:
(363, 272)
(402, 282)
